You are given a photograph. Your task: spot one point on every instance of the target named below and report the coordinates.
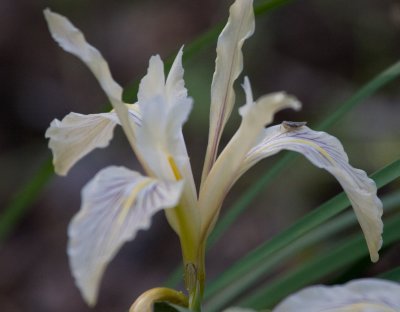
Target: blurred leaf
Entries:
(24, 198)
(393, 275)
(250, 268)
(169, 307)
(345, 253)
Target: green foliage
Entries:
(247, 271)
(168, 307)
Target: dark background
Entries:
(320, 51)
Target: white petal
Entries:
(72, 40)
(165, 107)
(116, 204)
(76, 136)
(325, 151)
(175, 85)
(228, 66)
(255, 115)
(364, 295)
(153, 84)
(160, 136)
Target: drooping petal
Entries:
(255, 115)
(325, 151)
(72, 40)
(364, 295)
(116, 204)
(76, 136)
(228, 66)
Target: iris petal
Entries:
(73, 41)
(116, 204)
(364, 295)
(255, 115)
(325, 151)
(76, 136)
(228, 66)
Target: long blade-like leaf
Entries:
(23, 198)
(393, 274)
(391, 202)
(347, 252)
(241, 275)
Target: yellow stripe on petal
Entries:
(131, 199)
(174, 168)
(315, 146)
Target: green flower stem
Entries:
(195, 279)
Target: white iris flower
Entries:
(119, 202)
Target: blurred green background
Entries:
(320, 51)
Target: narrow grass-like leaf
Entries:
(169, 307)
(250, 268)
(175, 277)
(347, 252)
(391, 202)
(393, 275)
(23, 198)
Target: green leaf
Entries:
(344, 254)
(249, 269)
(169, 307)
(24, 198)
(393, 275)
